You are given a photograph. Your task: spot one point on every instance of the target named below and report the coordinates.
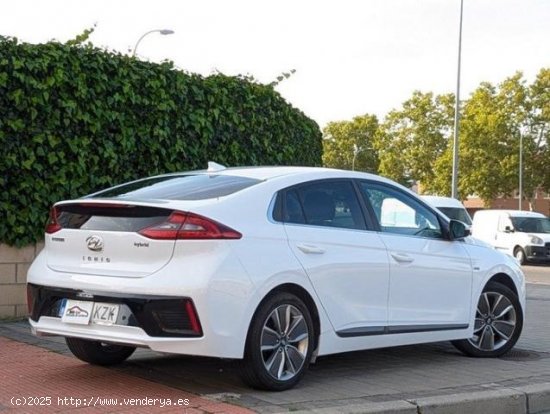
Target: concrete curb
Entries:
(538, 397)
(530, 399)
(502, 401)
(388, 407)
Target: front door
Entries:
(430, 277)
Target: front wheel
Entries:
(498, 323)
(279, 344)
(98, 353)
(519, 254)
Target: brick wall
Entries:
(14, 264)
(539, 204)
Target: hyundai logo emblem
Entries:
(94, 243)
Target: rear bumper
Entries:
(219, 287)
(161, 323)
(157, 316)
(119, 334)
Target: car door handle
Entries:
(310, 248)
(402, 258)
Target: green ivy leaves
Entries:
(75, 119)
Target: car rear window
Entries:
(179, 187)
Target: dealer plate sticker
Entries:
(77, 311)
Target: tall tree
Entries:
(494, 119)
(348, 144)
(413, 137)
(486, 148)
(539, 129)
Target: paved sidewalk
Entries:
(36, 380)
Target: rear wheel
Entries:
(279, 344)
(98, 353)
(498, 323)
(519, 254)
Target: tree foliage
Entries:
(344, 140)
(493, 120)
(414, 143)
(75, 119)
(413, 137)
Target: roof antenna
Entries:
(215, 167)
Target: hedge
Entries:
(75, 119)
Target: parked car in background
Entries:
(272, 266)
(449, 206)
(523, 234)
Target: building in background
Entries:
(540, 203)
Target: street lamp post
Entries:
(520, 170)
(454, 187)
(163, 32)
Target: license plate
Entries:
(77, 311)
(105, 313)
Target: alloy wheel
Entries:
(284, 342)
(495, 322)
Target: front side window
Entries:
(505, 224)
(397, 212)
(324, 203)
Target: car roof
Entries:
(270, 172)
(438, 201)
(514, 213)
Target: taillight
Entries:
(52, 226)
(180, 225)
(167, 230)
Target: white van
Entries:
(449, 206)
(524, 234)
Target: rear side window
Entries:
(179, 187)
(293, 212)
(325, 203)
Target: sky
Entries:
(351, 57)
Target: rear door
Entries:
(346, 263)
(103, 239)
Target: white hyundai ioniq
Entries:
(270, 265)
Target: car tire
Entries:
(98, 353)
(498, 323)
(519, 254)
(279, 343)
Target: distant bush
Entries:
(77, 119)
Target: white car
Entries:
(523, 234)
(449, 206)
(273, 266)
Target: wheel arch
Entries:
(305, 297)
(517, 246)
(505, 280)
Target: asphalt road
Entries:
(537, 274)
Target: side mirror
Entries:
(458, 230)
(508, 229)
